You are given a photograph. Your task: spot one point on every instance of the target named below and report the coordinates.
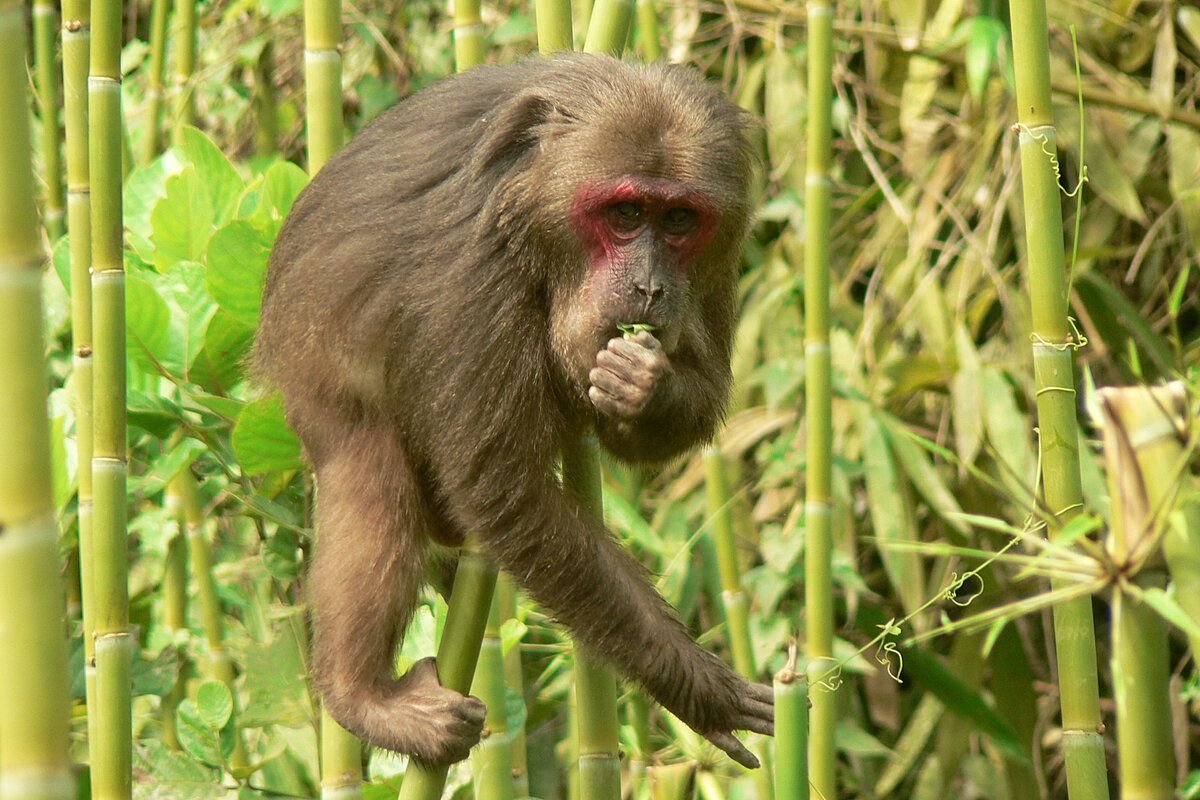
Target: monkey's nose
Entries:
(651, 290)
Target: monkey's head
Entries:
(651, 167)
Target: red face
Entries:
(642, 235)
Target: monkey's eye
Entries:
(679, 221)
(625, 217)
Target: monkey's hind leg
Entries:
(368, 568)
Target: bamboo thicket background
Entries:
(976, 316)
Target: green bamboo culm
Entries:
(323, 79)
(45, 17)
(791, 731)
(647, 25)
(1142, 452)
(174, 616)
(154, 80)
(598, 730)
(554, 32)
(458, 652)
(183, 47)
(1053, 343)
(514, 678)
(468, 34)
(34, 688)
(608, 27)
(491, 762)
(341, 761)
(734, 599)
(111, 750)
(266, 112)
(818, 403)
(76, 46)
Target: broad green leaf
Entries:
(199, 740)
(237, 266)
(275, 682)
(182, 221)
(262, 440)
(984, 37)
(183, 288)
(147, 324)
(220, 363)
(173, 774)
(142, 191)
(223, 182)
(214, 703)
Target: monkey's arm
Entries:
(652, 407)
(571, 564)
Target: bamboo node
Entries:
(1042, 134)
(72, 25)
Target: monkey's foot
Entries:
(418, 717)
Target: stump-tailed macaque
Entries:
(442, 310)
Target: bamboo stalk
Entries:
(458, 653)
(491, 762)
(608, 27)
(341, 761)
(112, 748)
(76, 38)
(791, 731)
(468, 34)
(323, 79)
(818, 583)
(1143, 454)
(1083, 747)
(554, 26)
(266, 132)
(174, 616)
(595, 686)
(45, 15)
(183, 41)
(33, 675)
(647, 19)
(154, 80)
(514, 677)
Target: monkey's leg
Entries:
(368, 568)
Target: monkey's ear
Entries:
(515, 129)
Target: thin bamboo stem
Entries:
(1087, 777)
(514, 677)
(112, 749)
(33, 674)
(554, 26)
(458, 653)
(469, 47)
(818, 583)
(45, 15)
(791, 733)
(183, 41)
(266, 132)
(647, 19)
(595, 686)
(323, 79)
(154, 80)
(341, 761)
(608, 27)
(491, 762)
(76, 38)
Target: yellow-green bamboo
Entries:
(1083, 747)
(818, 584)
(183, 46)
(76, 39)
(608, 27)
(491, 762)
(154, 79)
(1142, 452)
(217, 664)
(45, 15)
(554, 26)
(647, 19)
(458, 653)
(673, 781)
(323, 79)
(468, 34)
(791, 733)
(112, 747)
(33, 669)
(174, 616)
(637, 717)
(341, 761)
(595, 686)
(514, 678)
(266, 115)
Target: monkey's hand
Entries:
(755, 712)
(626, 375)
(440, 725)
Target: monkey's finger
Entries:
(651, 359)
(758, 708)
(748, 722)
(763, 693)
(607, 404)
(733, 748)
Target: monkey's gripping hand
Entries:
(626, 375)
(439, 725)
(715, 701)
(756, 712)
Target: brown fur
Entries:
(436, 327)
